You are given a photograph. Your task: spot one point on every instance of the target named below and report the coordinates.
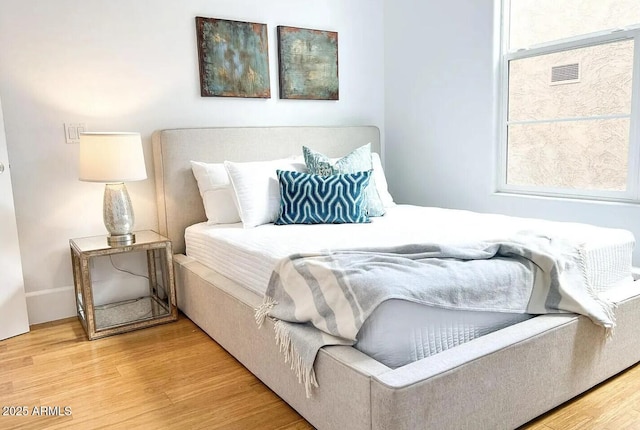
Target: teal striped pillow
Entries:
(306, 198)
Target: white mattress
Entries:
(249, 255)
(422, 331)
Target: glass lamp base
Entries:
(118, 215)
(121, 239)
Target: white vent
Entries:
(565, 74)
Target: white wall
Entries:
(121, 65)
(440, 116)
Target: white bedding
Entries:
(248, 256)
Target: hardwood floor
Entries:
(612, 405)
(168, 376)
(175, 376)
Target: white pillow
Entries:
(216, 192)
(381, 181)
(256, 190)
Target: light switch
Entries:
(72, 131)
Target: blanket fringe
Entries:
(608, 307)
(263, 310)
(306, 375)
(610, 331)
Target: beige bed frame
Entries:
(501, 380)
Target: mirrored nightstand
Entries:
(158, 307)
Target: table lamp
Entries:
(113, 158)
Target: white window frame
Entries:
(632, 192)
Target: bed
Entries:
(493, 381)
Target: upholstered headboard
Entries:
(178, 198)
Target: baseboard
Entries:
(51, 304)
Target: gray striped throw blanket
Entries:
(323, 298)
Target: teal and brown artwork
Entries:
(233, 57)
(308, 63)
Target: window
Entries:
(570, 122)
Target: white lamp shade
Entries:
(111, 157)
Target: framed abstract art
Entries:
(233, 57)
(308, 64)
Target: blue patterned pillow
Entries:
(306, 198)
(357, 161)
